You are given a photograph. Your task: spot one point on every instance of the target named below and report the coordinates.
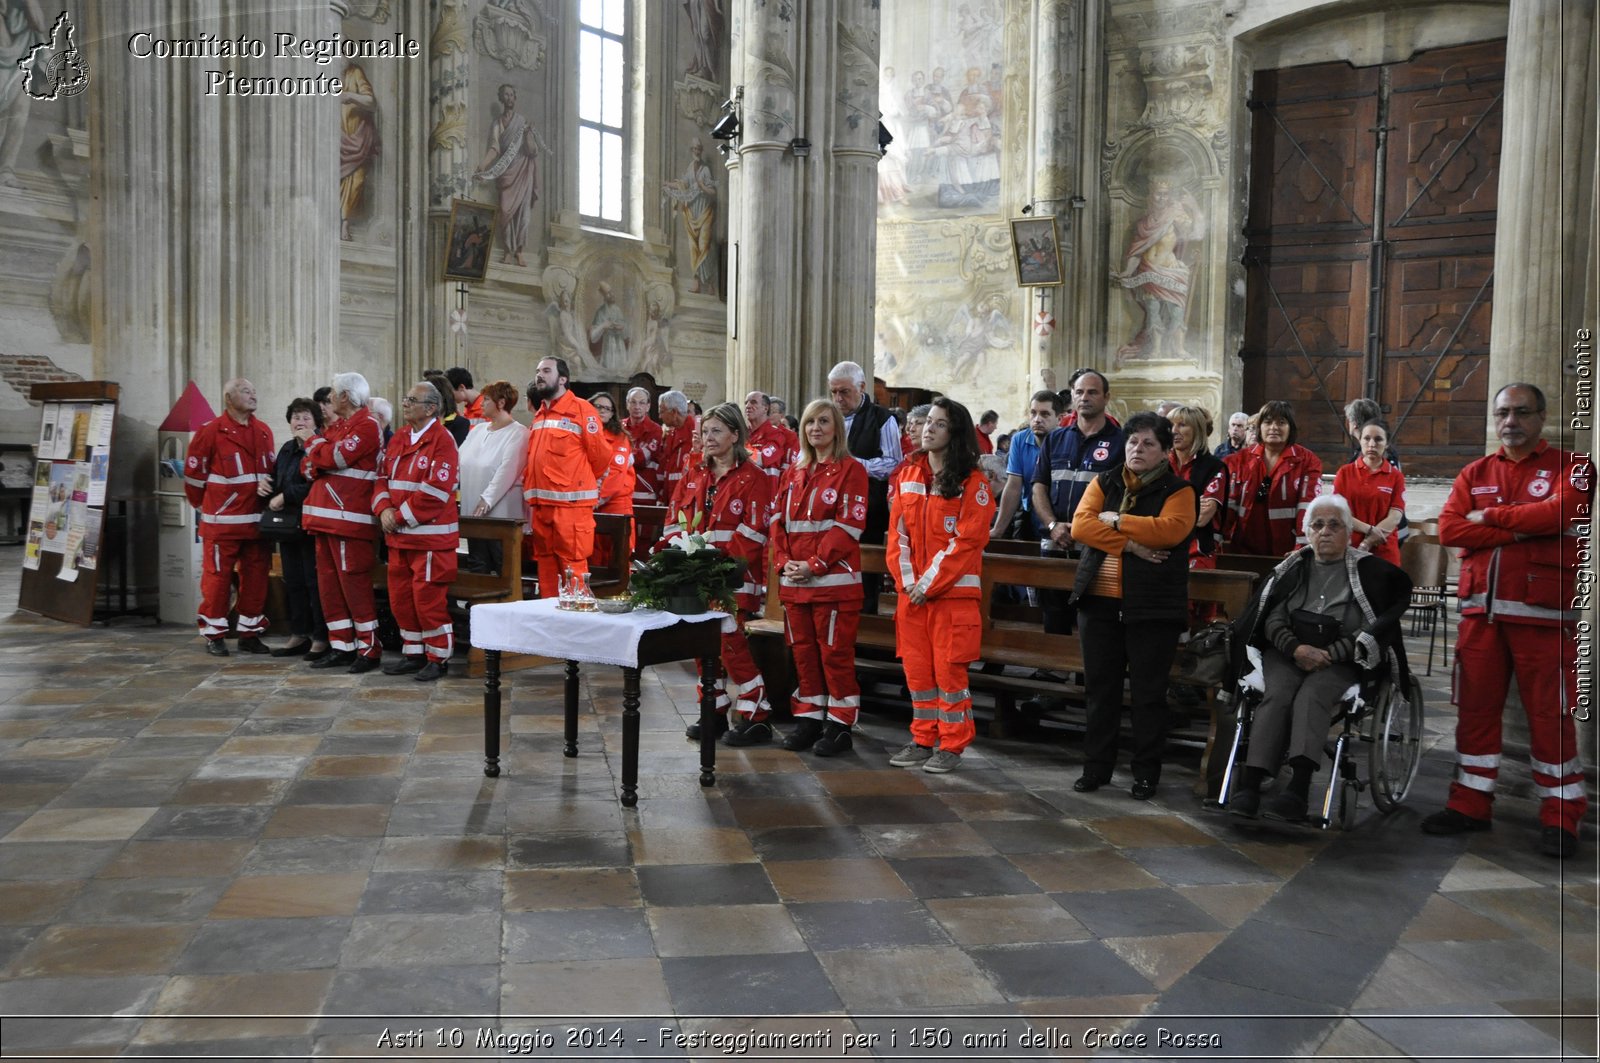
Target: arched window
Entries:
(603, 108)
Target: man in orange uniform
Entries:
(567, 455)
(1517, 516)
(416, 505)
(771, 442)
(646, 436)
(342, 465)
(223, 478)
(680, 443)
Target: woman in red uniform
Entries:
(731, 494)
(1376, 491)
(940, 509)
(820, 508)
(620, 478)
(1270, 485)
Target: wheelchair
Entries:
(1383, 714)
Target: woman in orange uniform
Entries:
(1376, 491)
(731, 494)
(620, 478)
(939, 516)
(819, 512)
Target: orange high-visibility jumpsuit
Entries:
(567, 454)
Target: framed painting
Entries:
(469, 240)
(1037, 250)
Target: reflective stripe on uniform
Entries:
(240, 518)
(1081, 476)
(832, 579)
(1556, 769)
(564, 426)
(969, 581)
(1570, 792)
(924, 695)
(1478, 760)
(913, 487)
(429, 529)
(1281, 514)
(353, 474)
(338, 514)
(539, 494)
(217, 478)
(1476, 782)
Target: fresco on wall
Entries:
(511, 162)
(693, 197)
(705, 37)
(1157, 263)
(358, 143)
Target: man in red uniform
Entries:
(415, 503)
(227, 474)
(469, 400)
(772, 444)
(1517, 516)
(646, 436)
(567, 455)
(680, 443)
(342, 465)
(986, 426)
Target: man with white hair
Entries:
(645, 434)
(680, 442)
(227, 475)
(342, 464)
(1238, 427)
(773, 445)
(874, 440)
(383, 410)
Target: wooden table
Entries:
(527, 627)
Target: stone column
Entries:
(1055, 97)
(1539, 242)
(849, 273)
(449, 176)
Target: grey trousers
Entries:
(1292, 719)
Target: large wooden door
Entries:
(1370, 248)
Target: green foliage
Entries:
(692, 568)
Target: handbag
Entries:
(1314, 629)
(1204, 659)
(280, 525)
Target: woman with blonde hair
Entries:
(818, 514)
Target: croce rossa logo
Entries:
(54, 69)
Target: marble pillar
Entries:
(449, 177)
(1056, 96)
(1539, 243)
(849, 274)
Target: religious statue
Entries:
(608, 331)
(512, 163)
(653, 352)
(358, 143)
(1156, 274)
(705, 25)
(567, 337)
(22, 24)
(695, 198)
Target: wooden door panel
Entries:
(1311, 136)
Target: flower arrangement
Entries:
(690, 576)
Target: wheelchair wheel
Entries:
(1347, 805)
(1396, 751)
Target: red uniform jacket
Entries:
(735, 523)
(342, 465)
(1544, 498)
(818, 514)
(1295, 482)
(618, 479)
(567, 455)
(678, 447)
(646, 436)
(224, 467)
(1371, 495)
(419, 480)
(774, 448)
(935, 543)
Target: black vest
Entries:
(1150, 592)
(866, 429)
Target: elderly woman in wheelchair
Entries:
(1323, 636)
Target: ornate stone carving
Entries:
(505, 30)
(450, 77)
(699, 100)
(1178, 84)
(376, 11)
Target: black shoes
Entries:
(335, 659)
(1143, 789)
(1561, 844)
(430, 672)
(1449, 821)
(804, 736)
(362, 665)
(217, 648)
(835, 740)
(720, 728)
(1088, 782)
(294, 649)
(404, 666)
(748, 733)
(1246, 802)
(1287, 807)
(253, 644)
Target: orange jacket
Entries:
(567, 455)
(618, 479)
(342, 465)
(221, 473)
(935, 543)
(736, 523)
(419, 481)
(818, 514)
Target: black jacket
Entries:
(866, 426)
(1151, 592)
(287, 477)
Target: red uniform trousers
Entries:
(936, 642)
(1545, 661)
(253, 558)
(563, 538)
(418, 584)
(344, 583)
(822, 636)
(741, 684)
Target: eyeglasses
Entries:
(1327, 525)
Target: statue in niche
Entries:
(358, 143)
(22, 25)
(653, 353)
(705, 24)
(1156, 271)
(608, 331)
(567, 337)
(512, 163)
(694, 196)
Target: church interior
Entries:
(1213, 203)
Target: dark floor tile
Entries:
(90, 1005)
(1208, 865)
(673, 885)
(283, 725)
(963, 876)
(867, 924)
(160, 746)
(799, 785)
(55, 860)
(145, 900)
(311, 856)
(1136, 913)
(14, 939)
(1328, 967)
(366, 745)
(368, 791)
(1234, 1013)
(773, 984)
(579, 934)
(431, 891)
(391, 995)
(1035, 835)
(117, 793)
(247, 945)
(432, 940)
(896, 808)
(1066, 969)
(810, 843)
(568, 849)
(216, 821)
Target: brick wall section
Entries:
(22, 371)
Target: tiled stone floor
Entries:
(244, 858)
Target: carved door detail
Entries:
(1370, 248)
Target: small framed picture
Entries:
(470, 239)
(1038, 251)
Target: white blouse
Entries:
(492, 462)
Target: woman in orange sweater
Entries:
(1132, 593)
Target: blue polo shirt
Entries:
(1069, 460)
(1022, 460)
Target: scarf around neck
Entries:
(1137, 483)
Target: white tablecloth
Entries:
(594, 638)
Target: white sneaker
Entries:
(912, 755)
